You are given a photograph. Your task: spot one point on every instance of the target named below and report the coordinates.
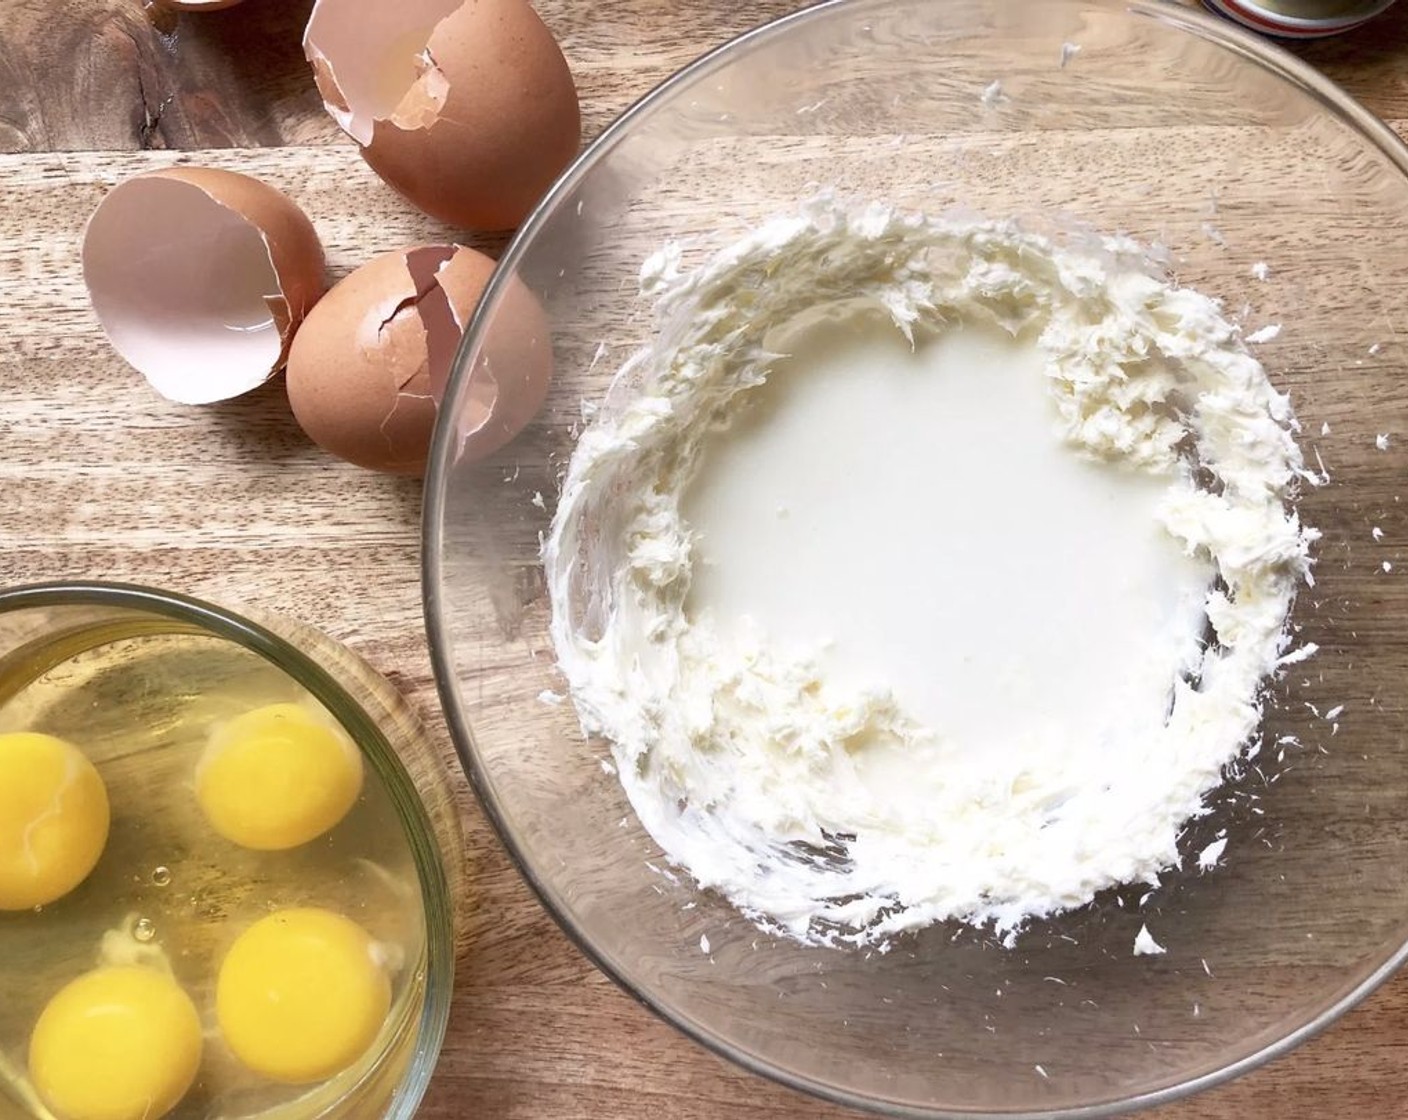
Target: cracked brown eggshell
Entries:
(467, 107)
(508, 380)
(372, 362)
(199, 277)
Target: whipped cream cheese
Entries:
(844, 761)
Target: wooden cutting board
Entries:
(99, 479)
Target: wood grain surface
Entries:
(99, 479)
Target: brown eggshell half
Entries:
(370, 365)
(199, 278)
(470, 112)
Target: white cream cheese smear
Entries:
(887, 568)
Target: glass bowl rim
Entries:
(420, 835)
(1239, 41)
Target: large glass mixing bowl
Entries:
(1271, 190)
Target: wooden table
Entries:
(100, 479)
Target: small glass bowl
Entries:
(101, 643)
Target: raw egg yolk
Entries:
(116, 1044)
(53, 819)
(277, 777)
(302, 995)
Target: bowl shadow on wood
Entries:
(260, 425)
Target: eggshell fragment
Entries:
(467, 107)
(508, 381)
(371, 364)
(199, 278)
